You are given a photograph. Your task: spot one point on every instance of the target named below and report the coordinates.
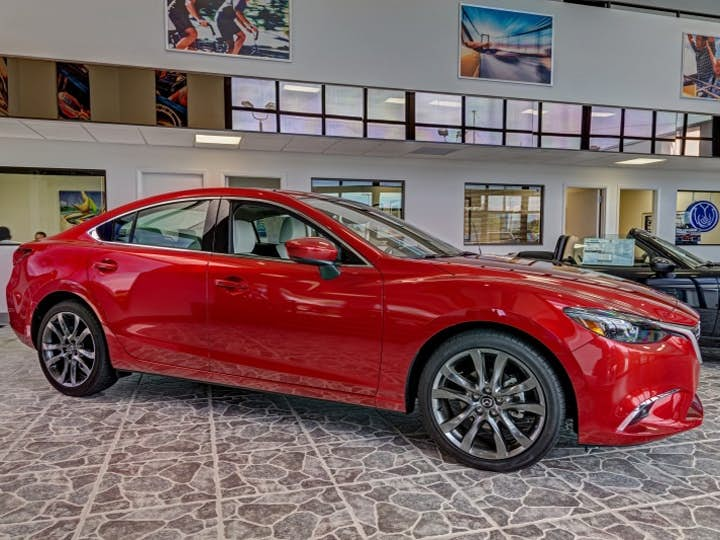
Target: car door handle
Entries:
(232, 284)
(106, 266)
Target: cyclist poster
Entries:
(73, 91)
(246, 28)
(171, 98)
(4, 99)
(504, 45)
(701, 66)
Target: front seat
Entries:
(290, 229)
(244, 237)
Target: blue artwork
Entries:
(702, 216)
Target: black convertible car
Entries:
(654, 262)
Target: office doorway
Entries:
(636, 211)
(585, 212)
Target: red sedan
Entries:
(315, 296)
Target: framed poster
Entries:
(171, 97)
(73, 91)
(257, 29)
(505, 45)
(701, 66)
(697, 218)
(79, 206)
(4, 98)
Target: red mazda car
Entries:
(322, 297)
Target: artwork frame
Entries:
(73, 91)
(4, 88)
(215, 33)
(78, 205)
(711, 91)
(171, 98)
(463, 67)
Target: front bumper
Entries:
(638, 393)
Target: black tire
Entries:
(475, 414)
(69, 334)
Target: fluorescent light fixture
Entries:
(301, 88)
(534, 112)
(217, 140)
(640, 161)
(443, 103)
(602, 114)
(396, 100)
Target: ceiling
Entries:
(12, 128)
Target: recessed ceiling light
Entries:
(640, 161)
(534, 112)
(217, 140)
(444, 103)
(396, 100)
(602, 114)
(301, 88)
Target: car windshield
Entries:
(692, 261)
(390, 235)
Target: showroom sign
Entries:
(702, 216)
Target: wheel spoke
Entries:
(469, 437)
(76, 325)
(90, 355)
(500, 448)
(80, 364)
(63, 375)
(451, 424)
(525, 386)
(452, 375)
(534, 408)
(444, 393)
(50, 362)
(51, 346)
(63, 326)
(477, 358)
(84, 334)
(518, 435)
(498, 371)
(54, 330)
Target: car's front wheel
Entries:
(72, 350)
(491, 400)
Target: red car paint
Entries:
(361, 338)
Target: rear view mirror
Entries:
(316, 251)
(662, 266)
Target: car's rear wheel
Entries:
(491, 400)
(72, 350)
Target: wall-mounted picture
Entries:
(171, 98)
(73, 91)
(79, 206)
(504, 45)
(247, 28)
(701, 66)
(4, 99)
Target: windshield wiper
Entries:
(448, 255)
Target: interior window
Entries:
(178, 225)
(261, 230)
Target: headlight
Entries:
(618, 326)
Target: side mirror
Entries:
(662, 266)
(315, 251)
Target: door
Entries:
(636, 210)
(275, 319)
(584, 212)
(149, 278)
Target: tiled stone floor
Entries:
(161, 458)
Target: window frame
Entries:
(373, 182)
(467, 214)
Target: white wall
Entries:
(434, 194)
(602, 56)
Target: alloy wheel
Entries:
(68, 349)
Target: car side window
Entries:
(179, 225)
(261, 229)
(117, 230)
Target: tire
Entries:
(72, 350)
(500, 425)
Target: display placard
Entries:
(609, 252)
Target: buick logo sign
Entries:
(702, 215)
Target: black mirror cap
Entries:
(662, 266)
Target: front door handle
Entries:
(106, 266)
(232, 284)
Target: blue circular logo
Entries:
(702, 215)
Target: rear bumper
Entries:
(638, 393)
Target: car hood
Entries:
(585, 287)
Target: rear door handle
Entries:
(232, 284)
(106, 266)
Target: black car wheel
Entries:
(72, 350)
(491, 401)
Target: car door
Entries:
(148, 276)
(276, 319)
